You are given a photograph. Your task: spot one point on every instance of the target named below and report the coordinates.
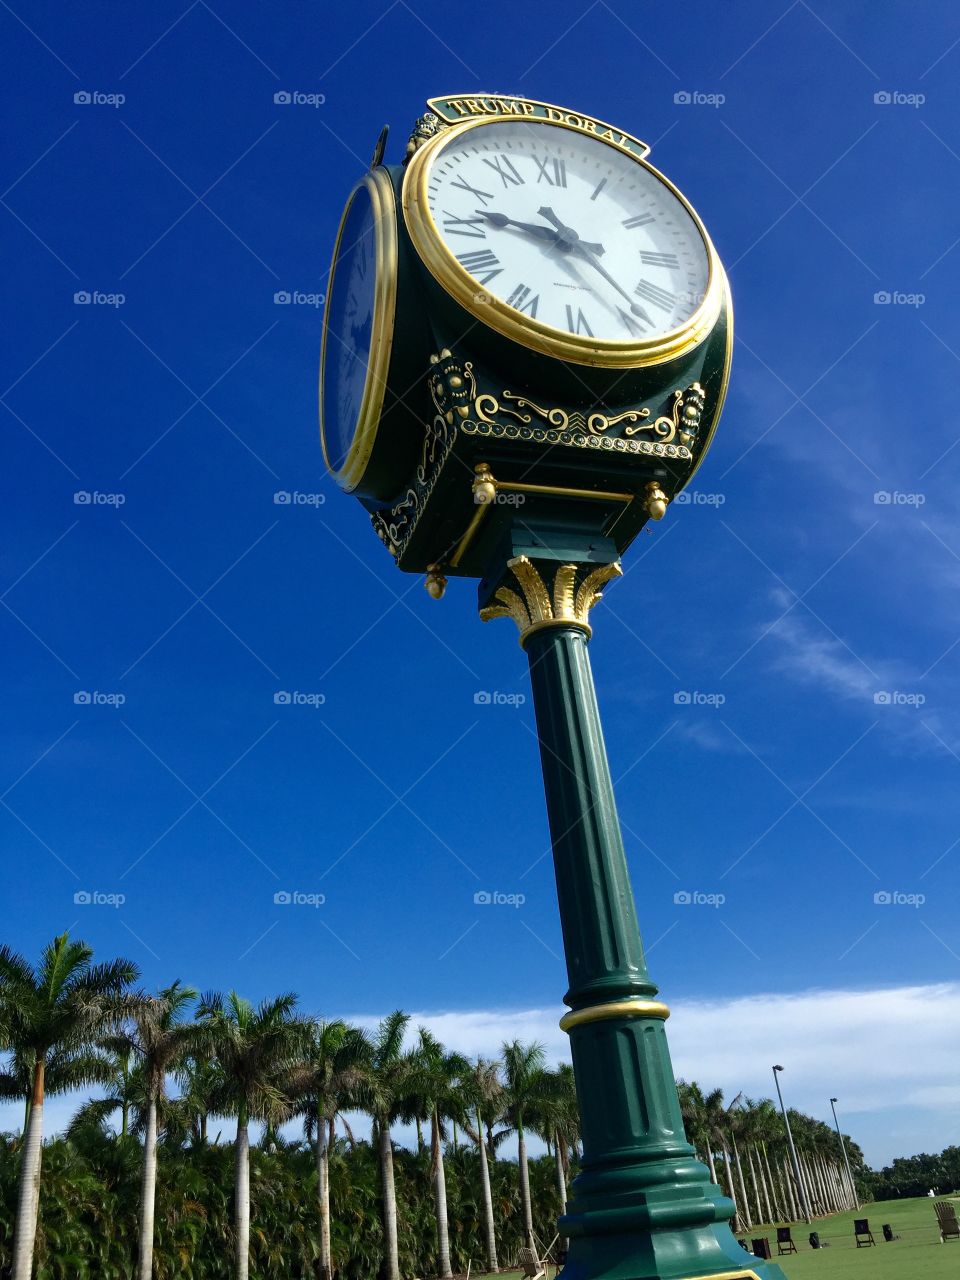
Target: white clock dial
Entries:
(568, 231)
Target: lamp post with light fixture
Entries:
(846, 1161)
(798, 1176)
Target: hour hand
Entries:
(534, 228)
(567, 235)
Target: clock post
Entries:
(642, 1205)
(495, 429)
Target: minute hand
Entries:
(585, 249)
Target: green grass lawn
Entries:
(917, 1255)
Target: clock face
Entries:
(358, 328)
(348, 328)
(568, 232)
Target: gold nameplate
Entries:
(471, 106)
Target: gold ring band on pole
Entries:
(615, 1009)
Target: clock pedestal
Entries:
(642, 1207)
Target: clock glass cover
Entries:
(572, 234)
(351, 384)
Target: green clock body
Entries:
(526, 303)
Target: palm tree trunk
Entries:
(712, 1163)
(771, 1181)
(755, 1184)
(389, 1199)
(440, 1197)
(788, 1184)
(763, 1188)
(419, 1136)
(743, 1186)
(728, 1177)
(492, 1264)
(148, 1192)
(29, 1192)
(561, 1177)
(323, 1195)
(525, 1188)
(241, 1199)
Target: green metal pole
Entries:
(642, 1207)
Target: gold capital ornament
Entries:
(535, 606)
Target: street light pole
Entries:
(801, 1185)
(846, 1161)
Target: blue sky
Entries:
(817, 568)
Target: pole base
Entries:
(707, 1253)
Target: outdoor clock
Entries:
(526, 322)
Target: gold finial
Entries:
(655, 503)
(484, 485)
(566, 606)
(436, 582)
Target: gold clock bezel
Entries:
(384, 205)
(512, 324)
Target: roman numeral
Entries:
(465, 186)
(506, 169)
(483, 264)
(638, 220)
(455, 226)
(659, 260)
(578, 325)
(653, 293)
(629, 322)
(558, 168)
(600, 185)
(522, 301)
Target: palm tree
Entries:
(336, 1061)
(49, 1018)
(437, 1076)
(480, 1093)
(159, 1037)
(257, 1050)
(124, 1090)
(524, 1069)
(386, 1099)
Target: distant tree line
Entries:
(141, 1187)
(918, 1176)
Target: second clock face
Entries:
(568, 231)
